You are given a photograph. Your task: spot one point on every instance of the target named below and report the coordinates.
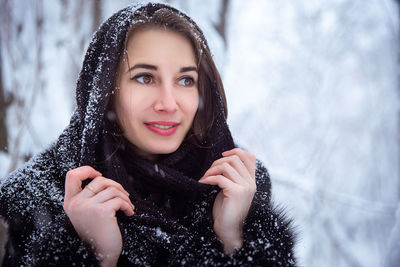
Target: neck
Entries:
(140, 153)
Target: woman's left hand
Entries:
(234, 173)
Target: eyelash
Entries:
(142, 75)
(145, 75)
(192, 81)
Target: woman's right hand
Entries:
(92, 211)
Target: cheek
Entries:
(192, 104)
(195, 107)
(124, 107)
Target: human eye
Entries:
(143, 78)
(186, 81)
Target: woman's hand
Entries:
(92, 211)
(234, 173)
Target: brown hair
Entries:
(152, 16)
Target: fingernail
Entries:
(226, 153)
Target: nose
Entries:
(166, 100)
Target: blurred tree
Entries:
(220, 27)
(4, 103)
(96, 14)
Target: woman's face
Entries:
(158, 95)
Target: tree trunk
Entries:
(96, 14)
(3, 111)
(221, 26)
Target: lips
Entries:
(165, 128)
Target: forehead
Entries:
(154, 43)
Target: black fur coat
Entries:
(172, 225)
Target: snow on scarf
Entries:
(173, 222)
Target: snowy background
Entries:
(312, 87)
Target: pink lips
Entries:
(165, 128)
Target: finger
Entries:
(219, 180)
(110, 193)
(226, 170)
(91, 189)
(120, 204)
(248, 159)
(99, 184)
(74, 178)
(237, 164)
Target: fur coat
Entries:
(172, 225)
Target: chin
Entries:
(166, 150)
(161, 149)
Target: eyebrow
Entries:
(152, 67)
(186, 69)
(143, 66)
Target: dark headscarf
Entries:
(174, 174)
(162, 190)
(95, 87)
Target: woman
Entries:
(148, 166)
